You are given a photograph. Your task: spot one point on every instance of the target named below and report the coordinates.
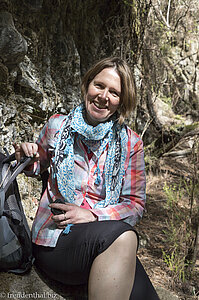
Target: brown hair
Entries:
(128, 91)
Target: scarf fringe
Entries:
(67, 229)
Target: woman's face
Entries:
(103, 96)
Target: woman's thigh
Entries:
(70, 261)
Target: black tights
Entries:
(70, 261)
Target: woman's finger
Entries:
(65, 217)
(64, 207)
(61, 220)
(17, 151)
(29, 149)
(61, 226)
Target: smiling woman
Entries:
(83, 230)
(124, 88)
(103, 96)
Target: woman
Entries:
(97, 172)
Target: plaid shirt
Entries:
(132, 198)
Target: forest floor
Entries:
(159, 251)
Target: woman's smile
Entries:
(98, 105)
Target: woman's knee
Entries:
(126, 244)
(127, 238)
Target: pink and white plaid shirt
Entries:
(132, 198)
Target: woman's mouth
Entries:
(99, 106)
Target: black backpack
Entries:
(15, 241)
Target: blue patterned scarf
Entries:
(96, 139)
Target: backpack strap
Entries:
(16, 171)
(9, 157)
(7, 181)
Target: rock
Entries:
(29, 286)
(4, 4)
(3, 80)
(165, 294)
(165, 114)
(34, 5)
(29, 77)
(35, 286)
(13, 46)
(45, 48)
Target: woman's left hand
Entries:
(72, 214)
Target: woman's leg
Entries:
(71, 260)
(143, 288)
(112, 272)
(91, 248)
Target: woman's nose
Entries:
(104, 94)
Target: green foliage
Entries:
(175, 263)
(167, 100)
(173, 194)
(191, 127)
(170, 193)
(128, 2)
(178, 232)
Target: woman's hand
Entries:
(26, 149)
(73, 214)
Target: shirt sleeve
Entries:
(46, 143)
(133, 193)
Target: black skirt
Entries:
(71, 260)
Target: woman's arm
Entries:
(42, 149)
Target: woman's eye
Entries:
(98, 85)
(115, 94)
